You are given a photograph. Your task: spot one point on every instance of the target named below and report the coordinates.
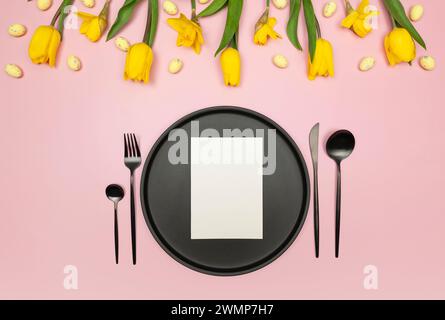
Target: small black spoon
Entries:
(339, 146)
(115, 193)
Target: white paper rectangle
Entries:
(227, 188)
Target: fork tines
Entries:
(131, 146)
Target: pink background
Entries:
(61, 142)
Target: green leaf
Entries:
(397, 11)
(292, 25)
(235, 7)
(124, 15)
(63, 14)
(214, 7)
(153, 21)
(311, 24)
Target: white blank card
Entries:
(227, 188)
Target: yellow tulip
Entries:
(358, 20)
(44, 45)
(323, 63)
(189, 32)
(94, 26)
(138, 63)
(265, 31)
(231, 66)
(399, 46)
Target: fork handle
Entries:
(133, 219)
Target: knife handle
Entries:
(316, 215)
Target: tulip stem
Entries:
(147, 26)
(194, 18)
(234, 42)
(267, 4)
(317, 26)
(348, 6)
(57, 14)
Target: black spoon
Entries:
(339, 146)
(115, 193)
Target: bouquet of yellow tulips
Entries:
(399, 44)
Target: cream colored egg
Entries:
(74, 63)
(14, 71)
(170, 7)
(203, 1)
(367, 63)
(175, 65)
(416, 12)
(17, 30)
(89, 3)
(44, 4)
(280, 4)
(329, 9)
(122, 44)
(428, 63)
(280, 61)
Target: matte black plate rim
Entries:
(154, 150)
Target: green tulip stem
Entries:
(147, 26)
(57, 14)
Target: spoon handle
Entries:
(337, 212)
(116, 235)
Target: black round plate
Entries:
(165, 196)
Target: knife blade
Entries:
(313, 144)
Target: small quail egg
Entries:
(74, 63)
(416, 12)
(367, 63)
(17, 30)
(280, 61)
(89, 3)
(279, 4)
(329, 9)
(44, 4)
(122, 44)
(175, 65)
(170, 7)
(428, 63)
(14, 71)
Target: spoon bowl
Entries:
(340, 145)
(115, 193)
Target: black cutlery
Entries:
(115, 193)
(339, 146)
(313, 143)
(132, 160)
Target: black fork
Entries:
(132, 160)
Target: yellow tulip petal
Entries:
(362, 6)
(350, 19)
(54, 47)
